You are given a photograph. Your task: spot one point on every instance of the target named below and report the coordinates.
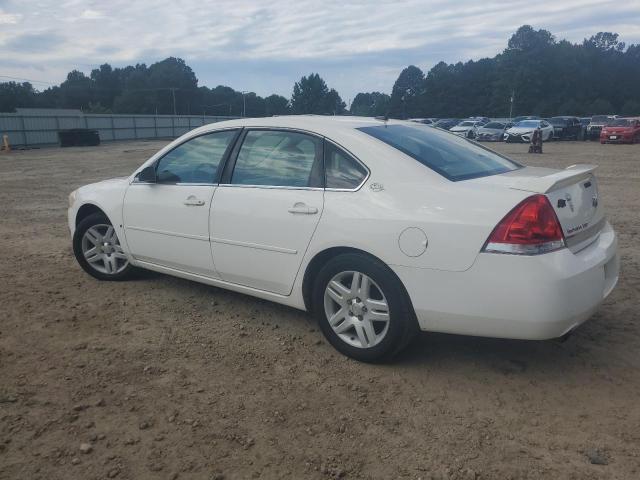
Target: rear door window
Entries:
(277, 158)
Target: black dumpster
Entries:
(78, 137)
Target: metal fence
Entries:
(34, 130)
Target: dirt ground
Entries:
(165, 378)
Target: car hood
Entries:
(490, 130)
(459, 128)
(106, 184)
(520, 130)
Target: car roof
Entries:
(319, 124)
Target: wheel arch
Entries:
(322, 257)
(88, 209)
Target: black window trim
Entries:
(221, 165)
(339, 147)
(230, 164)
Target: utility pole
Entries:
(244, 104)
(173, 93)
(511, 104)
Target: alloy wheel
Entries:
(102, 251)
(356, 309)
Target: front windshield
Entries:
(528, 124)
(496, 125)
(620, 122)
(451, 156)
(600, 119)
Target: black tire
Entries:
(402, 325)
(88, 222)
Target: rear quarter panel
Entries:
(456, 217)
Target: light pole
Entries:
(511, 104)
(173, 93)
(244, 104)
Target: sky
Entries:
(266, 46)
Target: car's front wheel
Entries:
(97, 249)
(362, 308)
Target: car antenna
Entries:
(384, 118)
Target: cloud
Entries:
(359, 45)
(89, 14)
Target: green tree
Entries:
(76, 91)
(107, 84)
(631, 108)
(334, 103)
(276, 105)
(13, 95)
(407, 93)
(601, 107)
(604, 41)
(311, 95)
(374, 104)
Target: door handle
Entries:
(192, 201)
(303, 208)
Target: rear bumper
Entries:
(620, 138)
(512, 296)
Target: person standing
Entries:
(536, 141)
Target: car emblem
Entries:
(567, 197)
(376, 187)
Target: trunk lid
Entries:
(573, 194)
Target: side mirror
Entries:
(148, 174)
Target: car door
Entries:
(167, 222)
(266, 208)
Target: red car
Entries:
(621, 130)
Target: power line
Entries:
(26, 80)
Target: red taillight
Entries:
(532, 227)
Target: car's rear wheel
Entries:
(362, 308)
(97, 249)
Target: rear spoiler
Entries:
(568, 176)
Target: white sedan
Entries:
(378, 228)
(522, 131)
(467, 128)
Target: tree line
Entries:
(167, 87)
(534, 75)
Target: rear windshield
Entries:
(600, 119)
(451, 156)
(621, 122)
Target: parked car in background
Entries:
(447, 123)
(424, 121)
(525, 117)
(522, 131)
(584, 123)
(480, 119)
(492, 131)
(621, 130)
(455, 239)
(466, 128)
(597, 123)
(566, 128)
